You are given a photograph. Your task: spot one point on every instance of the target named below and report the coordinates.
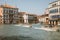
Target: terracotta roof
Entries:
(32, 14)
(6, 5)
(22, 13)
(44, 15)
(26, 13)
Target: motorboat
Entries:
(27, 25)
(17, 24)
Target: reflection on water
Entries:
(12, 32)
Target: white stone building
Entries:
(54, 12)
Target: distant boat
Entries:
(27, 25)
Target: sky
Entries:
(30, 6)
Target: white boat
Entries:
(26, 25)
(46, 29)
(18, 25)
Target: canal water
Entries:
(13, 32)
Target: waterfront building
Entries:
(7, 13)
(30, 18)
(54, 12)
(27, 18)
(15, 19)
(22, 17)
(44, 18)
(10, 15)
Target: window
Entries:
(6, 10)
(5, 16)
(53, 11)
(53, 5)
(55, 16)
(46, 18)
(30, 17)
(15, 11)
(59, 9)
(11, 11)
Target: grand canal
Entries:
(25, 33)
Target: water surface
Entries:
(24, 33)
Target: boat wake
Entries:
(23, 25)
(46, 29)
(26, 26)
(41, 28)
(18, 25)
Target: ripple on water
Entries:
(17, 38)
(27, 33)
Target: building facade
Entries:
(7, 12)
(10, 15)
(30, 18)
(54, 12)
(44, 18)
(21, 16)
